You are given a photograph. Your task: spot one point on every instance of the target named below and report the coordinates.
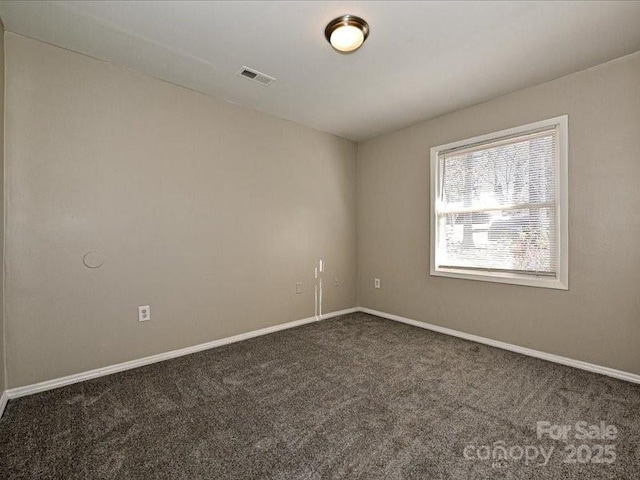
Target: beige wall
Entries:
(2, 348)
(598, 319)
(208, 212)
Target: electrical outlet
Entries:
(336, 283)
(376, 283)
(298, 287)
(144, 313)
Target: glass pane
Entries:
(521, 172)
(511, 240)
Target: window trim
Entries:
(561, 280)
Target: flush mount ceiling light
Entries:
(347, 33)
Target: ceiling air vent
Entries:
(256, 76)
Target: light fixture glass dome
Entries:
(347, 38)
(347, 33)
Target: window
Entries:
(499, 206)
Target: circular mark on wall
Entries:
(92, 259)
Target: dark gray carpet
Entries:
(356, 397)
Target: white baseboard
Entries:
(590, 367)
(120, 367)
(4, 398)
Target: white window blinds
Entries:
(497, 205)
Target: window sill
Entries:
(502, 277)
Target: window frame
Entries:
(561, 280)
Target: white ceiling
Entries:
(422, 59)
